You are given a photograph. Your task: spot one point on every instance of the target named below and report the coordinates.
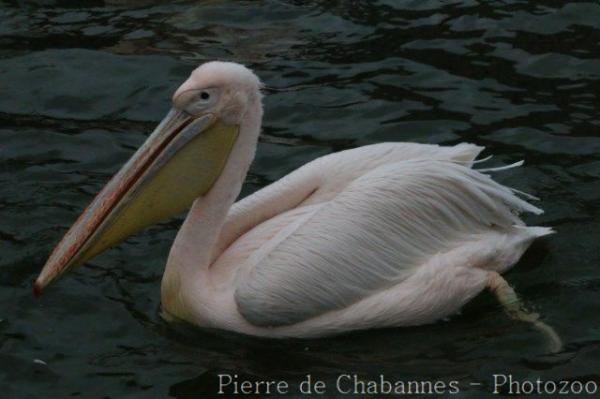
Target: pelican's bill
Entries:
(180, 161)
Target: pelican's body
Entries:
(350, 242)
(392, 234)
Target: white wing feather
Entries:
(372, 234)
(322, 179)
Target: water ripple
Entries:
(83, 83)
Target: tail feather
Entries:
(540, 231)
(505, 167)
(466, 153)
(522, 204)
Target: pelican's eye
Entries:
(206, 96)
(201, 100)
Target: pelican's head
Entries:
(225, 89)
(179, 162)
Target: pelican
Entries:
(384, 235)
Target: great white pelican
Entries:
(391, 234)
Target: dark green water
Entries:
(82, 85)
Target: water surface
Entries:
(83, 83)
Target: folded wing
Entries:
(370, 236)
